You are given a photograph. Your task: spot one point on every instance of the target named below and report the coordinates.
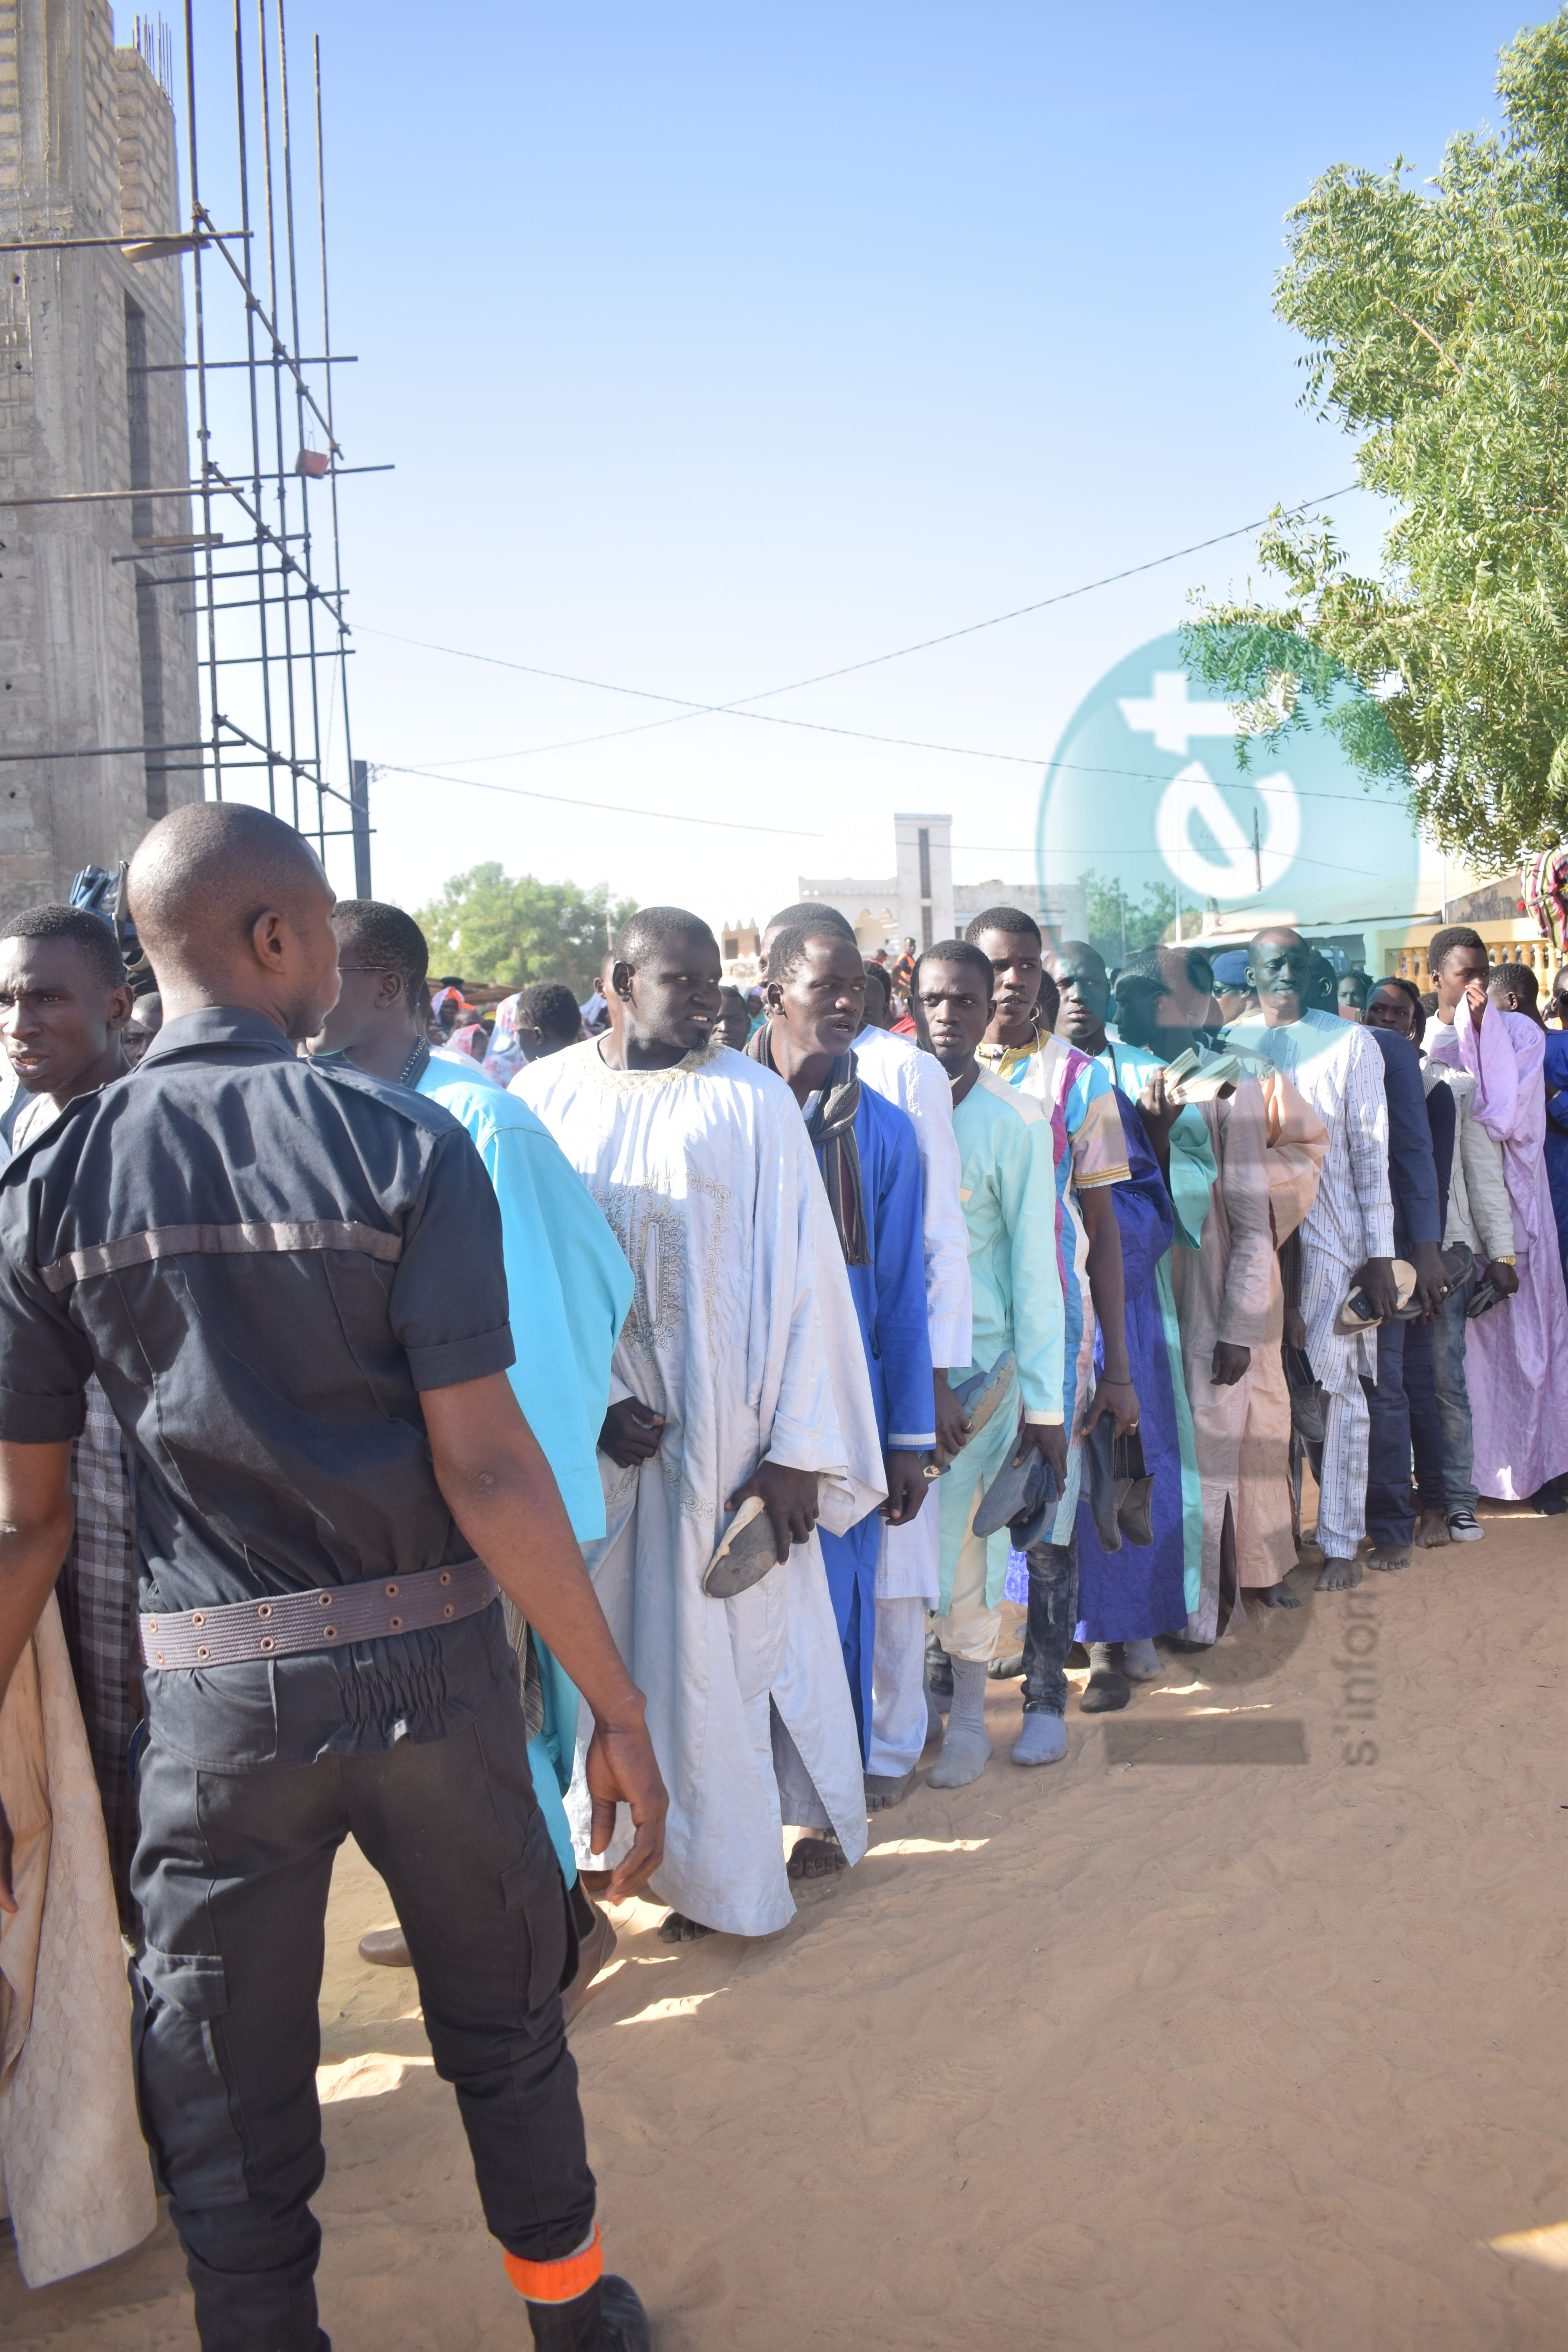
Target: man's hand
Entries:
(790, 1499)
(951, 1421)
(1117, 1398)
(1504, 1279)
(631, 1433)
(620, 1768)
(1230, 1363)
(1377, 1278)
(1477, 998)
(1295, 1332)
(1431, 1277)
(1048, 1439)
(501, 1490)
(907, 1487)
(1159, 1114)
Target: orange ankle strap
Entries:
(560, 2282)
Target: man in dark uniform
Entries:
(286, 1277)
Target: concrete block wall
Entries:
(73, 660)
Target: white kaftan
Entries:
(742, 1334)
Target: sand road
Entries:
(1242, 2027)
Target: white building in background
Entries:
(922, 902)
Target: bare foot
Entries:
(815, 1856)
(1340, 1576)
(679, 1929)
(1276, 1596)
(884, 1789)
(1389, 1556)
(1432, 1529)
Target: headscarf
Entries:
(504, 1059)
(831, 1129)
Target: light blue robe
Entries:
(568, 1290)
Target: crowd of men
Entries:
(571, 1451)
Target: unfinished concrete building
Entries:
(97, 662)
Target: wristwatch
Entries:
(1504, 1257)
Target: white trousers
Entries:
(898, 1688)
(1339, 1361)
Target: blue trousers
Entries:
(1390, 1519)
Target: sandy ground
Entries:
(1211, 2036)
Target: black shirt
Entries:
(264, 1260)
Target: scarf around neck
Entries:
(831, 1130)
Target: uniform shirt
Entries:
(1337, 1067)
(265, 1260)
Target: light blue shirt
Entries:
(568, 1284)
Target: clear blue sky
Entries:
(720, 345)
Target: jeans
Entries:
(1390, 1521)
(1048, 1627)
(232, 1871)
(1425, 1421)
(1449, 1330)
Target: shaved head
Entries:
(233, 908)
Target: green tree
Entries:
(493, 930)
(1437, 325)
(1112, 918)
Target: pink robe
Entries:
(1516, 1355)
(1269, 1145)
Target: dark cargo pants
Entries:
(232, 1871)
(1049, 1624)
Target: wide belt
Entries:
(287, 1624)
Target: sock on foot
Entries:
(1140, 1661)
(965, 1750)
(1043, 1739)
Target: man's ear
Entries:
(270, 940)
(772, 995)
(621, 981)
(121, 1004)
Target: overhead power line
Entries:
(685, 708)
(613, 808)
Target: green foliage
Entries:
(1146, 923)
(506, 933)
(1437, 326)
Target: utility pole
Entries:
(359, 825)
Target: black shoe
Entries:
(608, 2318)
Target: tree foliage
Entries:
(1110, 914)
(495, 930)
(1437, 323)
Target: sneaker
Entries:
(1465, 1527)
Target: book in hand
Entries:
(1189, 1082)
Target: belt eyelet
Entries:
(159, 1655)
(265, 1609)
(268, 1643)
(325, 1598)
(397, 1624)
(197, 1617)
(152, 1624)
(328, 1632)
(445, 1575)
(203, 1652)
(447, 1610)
(391, 1592)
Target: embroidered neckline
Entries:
(634, 1081)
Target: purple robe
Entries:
(1515, 1354)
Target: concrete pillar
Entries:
(924, 846)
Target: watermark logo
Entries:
(1154, 797)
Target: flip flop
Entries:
(747, 1552)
